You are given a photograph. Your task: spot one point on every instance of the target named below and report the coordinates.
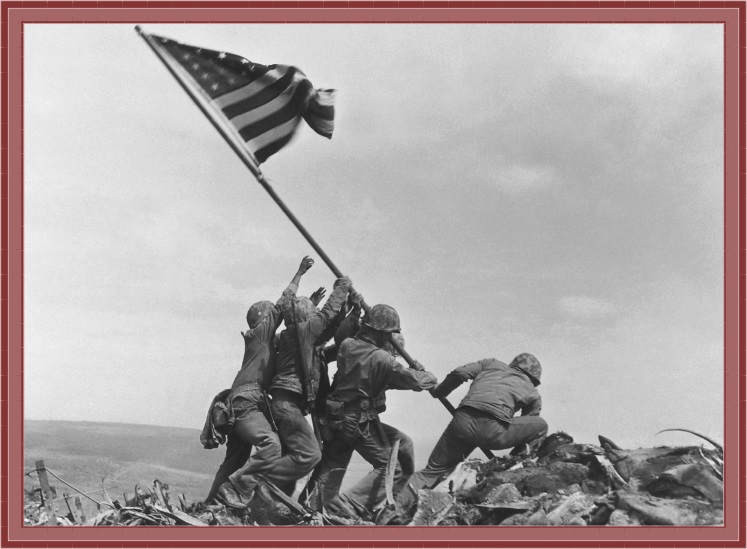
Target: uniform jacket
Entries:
(258, 365)
(496, 389)
(364, 371)
(288, 374)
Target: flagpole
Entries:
(235, 143)
(233, 140)
(203, 104)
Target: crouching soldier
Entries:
(484, 418)
(365, 370)
(297, 381)
(249, 402)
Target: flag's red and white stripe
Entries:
(264, 104)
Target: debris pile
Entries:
(565, 483)
(579, 485)
(146, 506)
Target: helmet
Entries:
(382, 318)
(257, 312)
(529, 365)
(305, 309)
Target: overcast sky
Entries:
(553, 189)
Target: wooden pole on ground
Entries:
(41, 471)
(70, 508)
(79, 507)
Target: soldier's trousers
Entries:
(469, 429)
(237, 454)
(251, 429)
(364, 438)
(301, 451)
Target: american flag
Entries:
(264, 104)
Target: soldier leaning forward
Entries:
(364, 371)
(249, 401)
(484, 418)
(296, 382)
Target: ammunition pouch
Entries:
(337, 411)
(334, 414)
(379, 402)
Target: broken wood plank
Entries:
(282, 496)
(390, 470)
(41, 471)
(157, 489)
(70, 508)
(79, 507)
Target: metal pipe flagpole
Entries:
(195, 92)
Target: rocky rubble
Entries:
(565, 483)
(581, 484)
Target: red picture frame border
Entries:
(15, 14)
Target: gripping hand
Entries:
(345, 283)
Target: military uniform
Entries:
(251, 427)
(290, 395)
(484, 418)
(364, 372)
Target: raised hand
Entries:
(317, 296)
(306, 264)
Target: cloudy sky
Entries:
(553, 189)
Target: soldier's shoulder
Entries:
(349, 343)
(493, 364)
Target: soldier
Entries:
(365, 370)
(249, 401)
(484, 418)
(297, 381)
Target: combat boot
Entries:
(231, 496)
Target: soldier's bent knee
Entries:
(308, 460)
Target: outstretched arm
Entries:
(290, 292)
(305, 265)
(397, 376)
(323, 318)
(456, 378)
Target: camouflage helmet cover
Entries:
(382, 318)
(257, 312)
(305, 309)
(528, 364)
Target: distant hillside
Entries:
(118, 456)
(91, 455)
